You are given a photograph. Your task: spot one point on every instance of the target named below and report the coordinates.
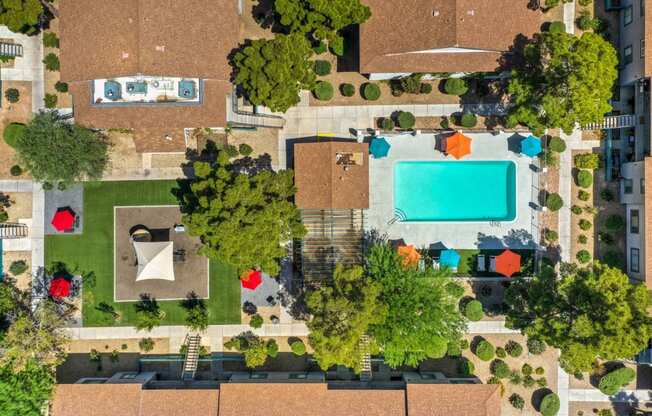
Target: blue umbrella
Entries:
(379, 148)
(449, 258)
(531, 146)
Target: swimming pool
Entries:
(455, 191)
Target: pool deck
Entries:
(517, 234)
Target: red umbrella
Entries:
(63, 220)
(251, 279)
(60, 287)
(508, 263)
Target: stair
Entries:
(365, 364)
(11, 49)
(13, 230)
(613, 122)
(192, 357)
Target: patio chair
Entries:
(435, 263)
(422, 265)
(492, 264)
(482, 263)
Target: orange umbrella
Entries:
(458, 145)
(508, 263)
(410, 255)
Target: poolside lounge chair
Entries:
(492, 264)
(482, 263)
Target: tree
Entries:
(590, 314)
(255, 350)
(423, 316)
(25, 392)
(148, 313)
(56, 151)
(21, 15)
(272, 72)
(564, 80)
(342, 311)
(196, 312)
(242, 220)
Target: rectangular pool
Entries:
(455, 191)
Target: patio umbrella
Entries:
(410, 255)
(251, 279)
(59, 287)
(458, 145)
(64, 219)
(508, 263)
(531, 146)
(379, 148)
(449, 258)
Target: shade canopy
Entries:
(251, 279)
(449, 258)
(59, 287)
(508, 263)
(458, 145)
(64, 219)
(409, 254)
(379, 148)
(155, 260)
(531, 146)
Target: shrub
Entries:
(16, 170)
(586, 22)
(18, 267)
(582, 195)
(146, 344)
(231, 151)
(454, 349)
(319, 48)
(583, 256)
(613, 259)
(425, 88)
(582, 239)
(466, 368)
(607, 195)
(577, 210)
(13, 132)
(606, 412)
(464, 345)
(584, 3)
(410, 84)
(298, 348)
(256, 321)
(500, 369)
(455, 290)
(501, 353)
(484, 350)
(612, 382)
(371, 92)
(549, 158)
(322, 68)
(529, 382)
(50, 40)
(542, 382)
(337, 46)
(550, 235)
(514, 349)
(535, 346)
(539, 371)
(473, 310)
(526, 369)
(587, 161)
(456, 86)
(406, 120)
(444, 124)
(615, 223)
(323, 90)
(61, 87)
(585, 225)
(556, 27)
(468, 120)
(347, 90)
(517, 401)
(515, 378)
(584, 179)
(554, 202)
(549, 405)
(51, 62)
(245, 150)
(50, 100)
(272, 348)
(557, 144)
(12, 95)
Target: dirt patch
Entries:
(170, 160)
(64, 99)
(161, 346)
(592, 408)
(21, 206)
(20, 112)
(263, 141)
(25, 279)
(266, 312)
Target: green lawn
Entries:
(93, 251)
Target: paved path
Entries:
(594, 395)
(569, 17)
(29, 67)
(563, 382)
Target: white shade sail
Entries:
(155, 261)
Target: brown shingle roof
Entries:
(96, 400)
(422, 25)
(323, 184)
(179, 402)
(453, 399)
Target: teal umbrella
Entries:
(531, 146)
(379, 148)
(449, 258)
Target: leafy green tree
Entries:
(25, 392)
(56, 151)
(423, 316)
(196, 312)
(254, 349)
(590, 314)
(565, 80)
(342, 311)
(242, 220)
(272, 72)
(148, 313)
(21, 15)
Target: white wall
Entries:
(632, 35)
(633, 171)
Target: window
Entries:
(633, 260)
(642, 186)
(627, 55)
(628, 15)
(642, 48)
(633, 221)
(628, 185)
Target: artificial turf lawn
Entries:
(92, 251)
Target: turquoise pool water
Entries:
(455, 191)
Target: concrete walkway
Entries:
(29, 67)
(569, 17)
(594, 395)
(563, 382)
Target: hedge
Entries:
(485, 351)
(406, 120)
(554, 202)
(322, 68)
(323, 91)
(12, 132)
(549, 405)
(612, 382)
(473, 310)
(371, 92)
(456, 86)
(584, 179)
(347, 90)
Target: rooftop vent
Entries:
(125, 55)
(471, 12)
(435, 13)
(160, 48)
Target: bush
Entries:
(50, 100)
(613, 258)
(615, 223)
(231, 151)
(554, 202)
(501, 353)
(319, 48)
(500, 369)
(386, 123)
(557, 144)
(549, 405)
(542, 382)
(514, 349)
(256, 321)
(16, 170)
(529, 382)
(535, 346)
(347, 90)
(607, 195)
(337, 46)
(61, 87)
(410, 84)
(515, 378)
(322, 68)
(454, 290)
(406, 120)
(587, 161)
(577, 210)
(550, 235)
(425, 88)
(556, 27)
(484, 350)
(456, 86)
(539, 371)
(51, 62)
(584, 179)
(18, 267)
(606, 412)
(272, 348)
(50, 40)
(146, 344)
(13, 132)
(444, 124)
(586, 22)
(245, 150)
(517, 401)
(473, 310)
(526, 369)
(583, 256)
(371, 92)
(584, 3)
(454, 349)
(585, 225)
(12, 95)
(466, 368)
(468, 120)
(582, 195)
(582, 239)
(323, 90)
(612, 382)
(298, 348)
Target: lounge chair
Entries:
(435, 263)
(492, 264)
(482, 263)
